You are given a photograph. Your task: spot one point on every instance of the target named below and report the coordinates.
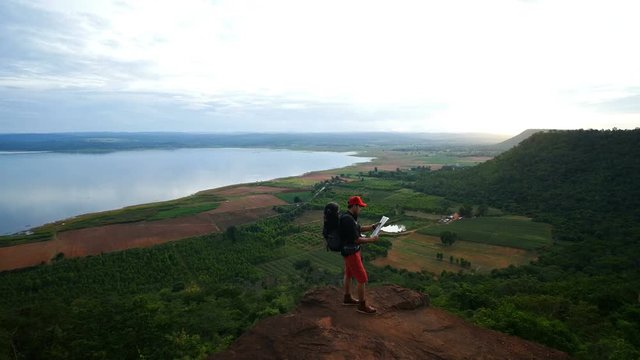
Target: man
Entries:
(353, 267)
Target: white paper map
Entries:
(381, 223)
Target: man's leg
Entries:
(361, 276)
(362, 306)
(361, 291)
(347, 283)
(348, 299)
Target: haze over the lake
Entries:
(498, 66)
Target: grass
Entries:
(510, 231)
(291, 196)
(189, 205)
(409, 199)
(373, 183)
(292, 182)
(417, 252)
(440, 158)
(319, 258)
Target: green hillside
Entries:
(514, 141)
(581, 297)
(583, 182)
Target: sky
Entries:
(493, 66)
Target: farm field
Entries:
(319, 259)
(511, 231)
(417, 252)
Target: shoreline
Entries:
(357, 158)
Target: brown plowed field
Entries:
(224, 220)
(108, 238)
(317, 176)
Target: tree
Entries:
(304, 264)
(448, 237)
(466, 210)
(297, 199)
(482, 210)
(231, 232)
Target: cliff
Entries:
(404, 328)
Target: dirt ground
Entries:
(109, 238)
(404, 328)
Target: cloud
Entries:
(414, 65)
(626, 105)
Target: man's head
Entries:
(354, 204)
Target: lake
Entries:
(38, 188)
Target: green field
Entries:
(319, 258)
(417, 252)
(409, 199)
(373, 183)
(292, 182)
(290, 196)
(511, 231)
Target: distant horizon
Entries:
(238, 132)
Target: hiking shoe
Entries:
(349, 300)
(366, 309)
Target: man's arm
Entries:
(369, 227)
(364, 240)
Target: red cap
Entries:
(356, 200)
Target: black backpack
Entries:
(331, 227)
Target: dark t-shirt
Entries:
(349, 228)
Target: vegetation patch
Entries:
(412, 200)
(373, 183)
(516, 232)
(295, 197)
(417, 252)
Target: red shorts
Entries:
(353, 268)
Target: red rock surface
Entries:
(404, 328)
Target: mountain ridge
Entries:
(514, 141)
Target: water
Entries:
(37, 188)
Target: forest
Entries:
(190, 298)
(582, 296)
